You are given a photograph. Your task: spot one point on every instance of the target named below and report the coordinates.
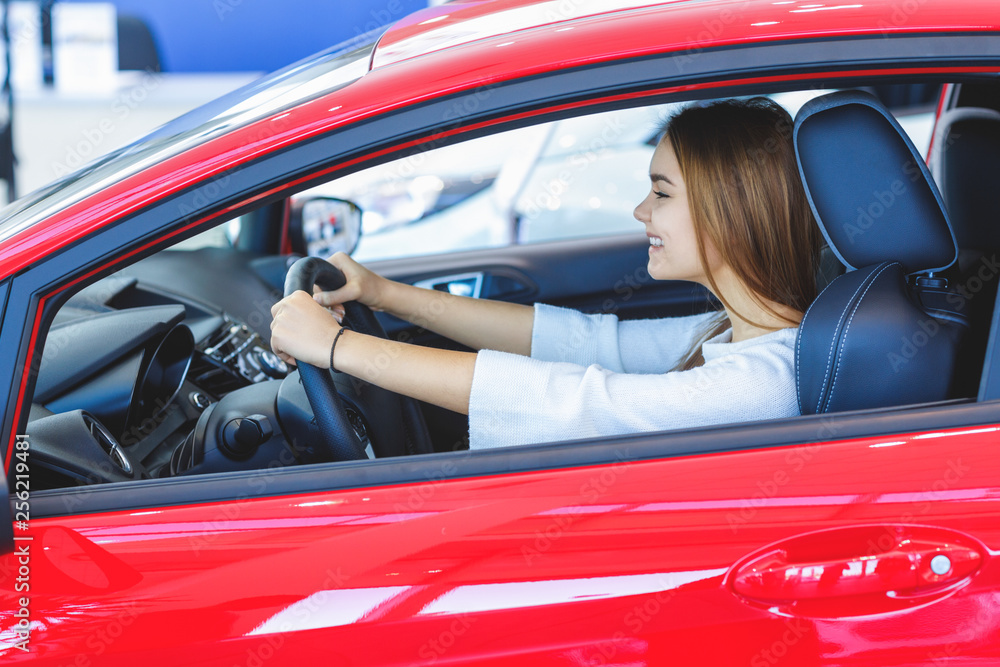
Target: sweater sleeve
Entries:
(631, 346)
(517, 400)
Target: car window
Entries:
(572, 178)
(565, 179)
(220, 236)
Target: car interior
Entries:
(163, 369)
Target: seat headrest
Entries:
(868, 187)
(966, 165)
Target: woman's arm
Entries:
(304, 330)
(440, 377)
(476, 323)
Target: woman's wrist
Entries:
(390, 297)
(360, 355)
(333, 347)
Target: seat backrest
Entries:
(965, 163)
(883, 333)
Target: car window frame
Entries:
(37, 292)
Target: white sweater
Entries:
(591, 375)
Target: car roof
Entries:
(458, 23)
(421, 59)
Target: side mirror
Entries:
(322, 226)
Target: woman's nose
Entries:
(641, 212)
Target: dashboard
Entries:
(164, 369)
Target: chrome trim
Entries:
(108, 443)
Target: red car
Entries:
(174, 502)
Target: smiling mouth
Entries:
(655, 242)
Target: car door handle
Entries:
(465, 284)
(868, 564)
(906, 568)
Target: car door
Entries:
(499, 558)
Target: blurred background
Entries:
(88, 77)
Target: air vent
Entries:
(212, 377)
(108, 444)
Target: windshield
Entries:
(283, 89)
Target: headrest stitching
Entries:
(843, 339)
(798, 355)
(833, 344)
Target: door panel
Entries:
(624, 563)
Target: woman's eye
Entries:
(660, 195)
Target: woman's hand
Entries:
(303, 329)
(477, 323)
(362, 285)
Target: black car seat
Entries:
(885, 333)
(965, 162)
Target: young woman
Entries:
(725, 209)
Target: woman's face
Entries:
(673, 246)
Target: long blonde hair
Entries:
(746, 198)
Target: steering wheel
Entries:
(338, 440)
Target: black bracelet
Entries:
(334, 346)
